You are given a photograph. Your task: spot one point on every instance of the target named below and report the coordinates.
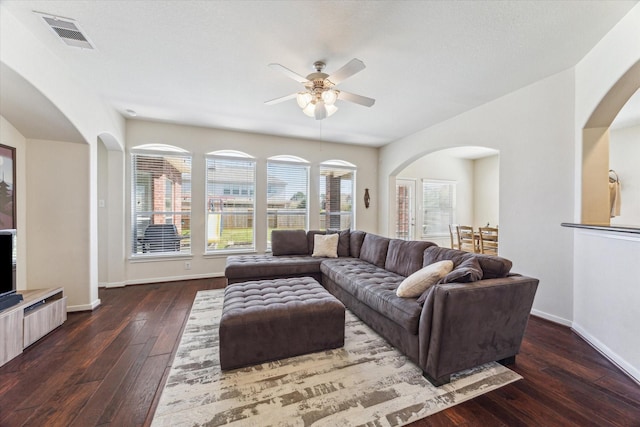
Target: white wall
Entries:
(533, 130)
(58, 218)
(200, 141)
(486, 195)
(10, 136)
(606, 280)
(607, 297)
(624, 158)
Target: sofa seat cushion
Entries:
(375, 287)
(250, 266)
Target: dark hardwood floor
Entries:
(107, 368)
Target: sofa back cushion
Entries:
(356, 238)
(374, 249)
(289, 242)
(436, 253)
(405, 257)
(344, 242)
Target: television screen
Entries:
(7, 262)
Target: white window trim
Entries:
(163, 150)
(344, 165)
(289, 161)
(237, 156)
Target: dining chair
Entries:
(453, 235)
(466, 239)
(488, 240)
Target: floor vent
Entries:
(67, 30)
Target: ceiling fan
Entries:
(319, 97)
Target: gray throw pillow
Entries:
(467, 271)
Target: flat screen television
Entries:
(7, 262)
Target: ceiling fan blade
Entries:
(281, 99)
(320, 111)
(291, 74)
(357, 99)
(349, 69)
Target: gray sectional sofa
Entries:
(476, 314)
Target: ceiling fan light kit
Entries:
(319, 97)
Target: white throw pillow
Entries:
(325, 245)
(414, 285)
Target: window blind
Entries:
(439, 206)
(287, 196)
(336, 197)
(231, 184)
(161, 203)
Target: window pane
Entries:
(230, 203)
(161, 204)
(439, 205)
(405, 209)
(287, 187)
(336, 197)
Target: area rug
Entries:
(367, 382)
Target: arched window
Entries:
(287, 194)
(230, 206)
(160, 200)
(337, 189)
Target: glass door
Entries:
(405, 209)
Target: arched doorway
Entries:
(596, 200)
(456, 185)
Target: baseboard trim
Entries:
(552, 318)
(631, 371)
(172, 278)
(84, 307)
(112, 285)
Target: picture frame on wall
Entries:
(7, 187)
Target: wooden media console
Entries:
(41, 311)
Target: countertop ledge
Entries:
(612, 228)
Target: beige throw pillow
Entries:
(414, 285)
(325, 245)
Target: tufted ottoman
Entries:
(273, 319)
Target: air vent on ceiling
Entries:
(67, 30)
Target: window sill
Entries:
(159, 258)
(222, 254)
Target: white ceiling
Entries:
(205, 62)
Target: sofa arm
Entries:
(466, 325)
